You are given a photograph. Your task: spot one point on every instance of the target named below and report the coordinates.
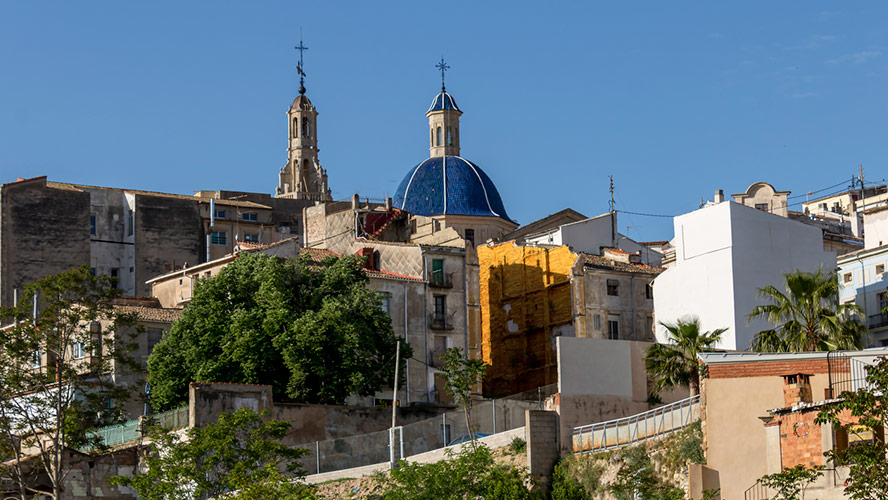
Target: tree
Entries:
(55, 372)
(316, 334)
(807, 317)
(790, 483)
(461, 374)
(675, 364)
(240, 456)
(472, 473)
(863, 410)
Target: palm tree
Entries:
(808, 317)
(675, 363)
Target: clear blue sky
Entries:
(674, 99)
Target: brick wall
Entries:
(772, 368)
(801, 440)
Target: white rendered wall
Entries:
(724, 254)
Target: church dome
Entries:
(443, 101)
(461, 188)
(302, 102)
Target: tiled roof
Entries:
(599, 262)
(376, 273)
(653, 243)
(317, 255)
(452, 187)
(443, 101)
(152, 314)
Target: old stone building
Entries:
(532, 294)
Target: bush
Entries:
(517, 446)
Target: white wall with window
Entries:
(863, 281)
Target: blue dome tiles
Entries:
(469, 191)
(443, 101)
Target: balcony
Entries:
(439, 321)
(877, 321)
(438, 279)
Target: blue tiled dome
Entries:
(460, 189)
(443, 101)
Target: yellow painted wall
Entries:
(525, 296)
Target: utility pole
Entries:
(392, 460)
(613, 213)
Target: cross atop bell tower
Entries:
(302, 178)
(443, 117)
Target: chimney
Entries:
(388, 204)
(719, 196)
(797, 389)
(356, 202)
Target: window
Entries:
(761, 206)
(438, 137)
(596, 321)
(883, 300)
(249, 216)
(449, 136)
(306, 127)
(432, 136)
(92, 271)
(846, 278)
(219, 214)
(251, 238)
(440, 307)
(613, 327)
(470, 236)
(36, 359)
(613, 287)
(386, 302)
(115, 277)
(880, 268)
(219, 238)
(154, 337)
(295, 127)
(649, 291)
(130, 223)
(77, 350)
(437, 276)
(92, 224)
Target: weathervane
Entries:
(301, 48)
(443, 67)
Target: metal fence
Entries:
(640, 427)
(132, 430)
(757, 491)
(847, 373)
(487, 417)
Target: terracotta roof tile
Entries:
(378, 273)
(599, 262)
(152, 314)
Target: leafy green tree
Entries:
(807, 317)
(675, 363)
(790, 483)
(50, 398)
(468, 475)
(316, 334)
(240, 456)
(867, 407)
(461, 375)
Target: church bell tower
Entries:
(443, 117)
(303, 178)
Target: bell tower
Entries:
(302, 178)
(443, 117)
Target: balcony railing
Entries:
(440, 279)
(439, 321)
(846, 373)
(757, 491)
(877, 321)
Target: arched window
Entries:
(432, 136)
(295, 127)
(438, 137)
(449, 136)
(306, 127)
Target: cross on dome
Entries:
(443, 67)
(301, 48)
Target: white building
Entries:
(724, 253)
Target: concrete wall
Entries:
(169, 233)
(724, 254)
(860, 283)
(43, 231)
(875, 228)
(543, 446)
(633, 309)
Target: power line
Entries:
(643, 214)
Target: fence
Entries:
(132, 430)
(641, 427)
(487, 417)
(847, 373)
(757, 491)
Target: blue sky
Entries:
(674, 99)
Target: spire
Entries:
(299, 66)
(443, 67)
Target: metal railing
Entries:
(641, 427)
(846, 373)
(877, 321)
(757, 491)
(132, 430)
